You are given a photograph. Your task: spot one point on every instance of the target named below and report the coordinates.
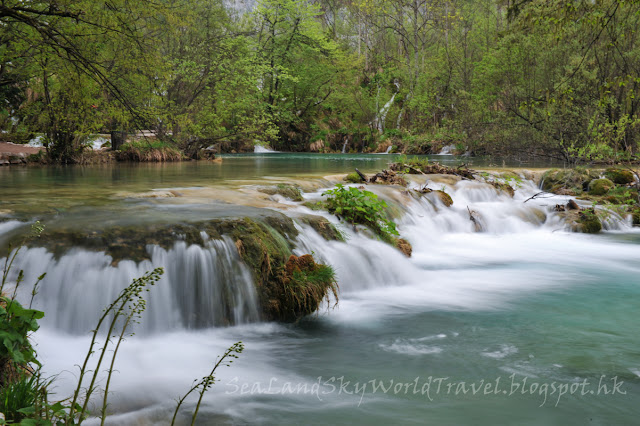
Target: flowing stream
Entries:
(524, 323)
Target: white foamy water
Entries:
(260, 149)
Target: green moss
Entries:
(600, 186)
(619, 176)
(590, 222)
(503, 187)
(291, 192)
(567, 181)
(323, 227)
(444, 198)
(314, 205)
(305, 285)
(353, 178)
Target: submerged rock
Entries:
(292, 192)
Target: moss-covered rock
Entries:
(263, 243)
(622, 195)
(600, 186)
(567, 181)
(353, 178)
(503, 187)
(291, 192)
(590, 222)
(585, 221)
(303, 285)
(619, 176)
(444, 197)
(323, 227)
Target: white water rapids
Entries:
(452, 268)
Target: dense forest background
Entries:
(517, 77)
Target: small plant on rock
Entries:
(361, 207)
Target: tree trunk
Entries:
(118, 138)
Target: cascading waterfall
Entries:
(259, 149)
(210, 286)
(202, 286)
(381, 116)
(206, 288)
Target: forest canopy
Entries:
(524, 77)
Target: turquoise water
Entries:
(524, 305)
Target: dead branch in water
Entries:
(538, 195)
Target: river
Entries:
(524, 323)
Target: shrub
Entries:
(361, 207)
(148, 151)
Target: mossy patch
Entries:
(286, 292)
(444, 197)
(305, 284)
(619, 176)
(323, 227)
(567, 181)
(590, 222)
(503, 187)
(292, 192)
(585, 221)
(600, 186)
(353, 178)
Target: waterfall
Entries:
(381, 116)
(344, 146)
(210, 286)
(259, 149)
(447, 150)
(201, 287)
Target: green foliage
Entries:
(16, 323)
(149, 151)
(538, 77)
(360, 207)
(18, 395)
